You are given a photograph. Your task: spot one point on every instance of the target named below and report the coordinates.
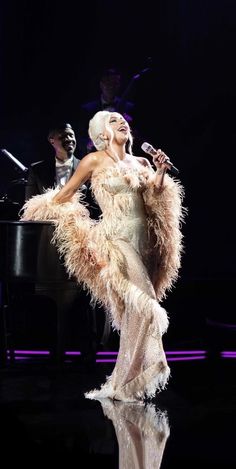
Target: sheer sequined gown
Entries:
(141, 364)
(120, 260)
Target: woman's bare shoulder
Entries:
(99, 160)
(92, 160)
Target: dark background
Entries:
(51, 55)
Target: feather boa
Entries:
(165, 214)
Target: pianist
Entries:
(56, 171)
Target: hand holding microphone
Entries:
(160, 159)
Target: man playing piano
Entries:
(56, 171)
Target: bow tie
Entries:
(68, 162)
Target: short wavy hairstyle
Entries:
(58, 128)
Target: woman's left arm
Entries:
(160, 160)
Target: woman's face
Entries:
(119, 126)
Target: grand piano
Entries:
(37, 296)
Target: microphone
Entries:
(12, 158)
(147, 148)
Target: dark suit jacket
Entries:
(42, 175)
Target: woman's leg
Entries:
(141, 359)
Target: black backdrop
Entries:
(51, 55)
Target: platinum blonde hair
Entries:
(98, 124)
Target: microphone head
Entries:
(148, 148)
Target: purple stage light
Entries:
(21, 358)
(110, 356)
(186, 352)
(29, 352)
(77, 352)
(193, 357)
(106, 360)
(228, 354)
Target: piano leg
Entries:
(64, 296)
(3, 329)
(53, 316)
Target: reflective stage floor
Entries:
(45, 419)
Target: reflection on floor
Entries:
(45, 417)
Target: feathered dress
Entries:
(141, 432)
(127, 260)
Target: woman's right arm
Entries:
(83, 172)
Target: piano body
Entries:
(36, 289)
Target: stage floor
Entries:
(45, 417)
